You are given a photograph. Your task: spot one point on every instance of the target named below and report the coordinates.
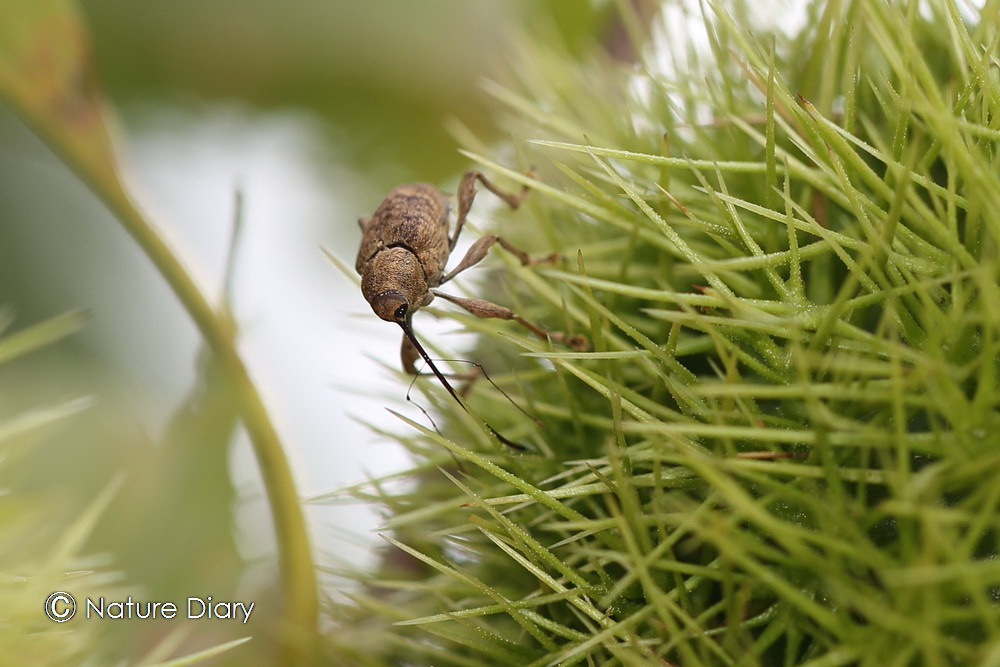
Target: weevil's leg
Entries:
(488, 309)
(467, 193)
(482, 246)
(408, 355)
(511, 199)
(363, 222)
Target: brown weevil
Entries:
(405, 246)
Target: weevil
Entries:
(405, 246)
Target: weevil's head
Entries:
(394, 285)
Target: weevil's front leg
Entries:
(467, 193)
(488, 309)
(482, 246)
(408, 355)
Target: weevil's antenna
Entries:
(408, 331)
(458, 463)
(468, 377)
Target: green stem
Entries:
(298, 573)
(295, 556)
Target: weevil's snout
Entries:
(394, 285)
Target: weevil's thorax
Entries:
(394, 277)
(415, 217)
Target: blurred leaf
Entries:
(203, 656)
(29, 421)
(73, 540)
(47, 75)
(39, 335)
(189, 473)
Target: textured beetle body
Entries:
(405, 241)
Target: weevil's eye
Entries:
(391, 306)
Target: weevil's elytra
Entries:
(404, 250)
(413, 217)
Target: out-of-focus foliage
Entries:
(385, 75)
(38, 556)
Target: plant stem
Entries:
(295, 556)
(298, 574)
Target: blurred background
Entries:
(309, 111)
